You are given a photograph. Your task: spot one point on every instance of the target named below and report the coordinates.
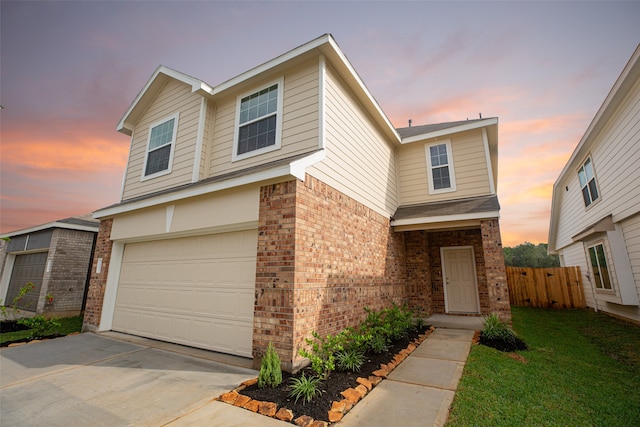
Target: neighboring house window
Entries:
(440, 167)
(258, 122)
(588, 183)
(599, 267)
(160, 147)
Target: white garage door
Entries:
(197, 291)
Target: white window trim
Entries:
(236, 128)
(595, 178)
(452, 173)
(608, 260)
(144, 177)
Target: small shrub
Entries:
(305, 388)
(378, 344)
(270, 370)
(350, 360)
(322, 353)
(40, 326)
(497, 334)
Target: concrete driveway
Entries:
(103, 380)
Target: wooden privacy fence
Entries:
(546, 287)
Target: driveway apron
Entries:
(90, 379)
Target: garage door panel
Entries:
(197, 291)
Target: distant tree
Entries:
(530, 255)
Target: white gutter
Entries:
(445, 218)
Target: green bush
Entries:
(305, 388)
(496, 329)
(40, 326)
(322, 353)
(350, 360)
(270, 370)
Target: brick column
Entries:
(275, 267)
(495, 269)
(418, 272)
(98, 281)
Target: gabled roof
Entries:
(629, 76)
(81, 222)
(324, 45)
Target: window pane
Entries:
(588, 169)
(604, 271)
(438, 155)
(594, 267)
(161, 134)
(585, 196)
(158, 160)
(441, 178)
(582, 177)
(593, 189)
(257, 135)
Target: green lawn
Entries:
(68, 326)
(581, 369)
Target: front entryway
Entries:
(459, 277)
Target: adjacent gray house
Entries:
(55, 257)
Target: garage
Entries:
(27, 268)
(196, 291)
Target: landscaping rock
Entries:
(352, 395)
(319, 424)
(250, 382)
(267, 408)
(362, 390)
(335, 416)
(284, 414)
(229, 397)
(241, 400)
(303, 421)
(382, 373)
(375, 380)
(365, 382)
(252, 405)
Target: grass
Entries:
(582, 369)
(68, 326)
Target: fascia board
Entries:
(49, 225)
(197, 86)
(446, 218)
(295, 169)
(451, 130)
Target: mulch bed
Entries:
(338, 382)
(504, 346)
(14, 326)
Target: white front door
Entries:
(459, 277)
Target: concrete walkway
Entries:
(420, 390)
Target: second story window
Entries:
(440, 168)
(258, 122)
(588, 183)
(162, 136)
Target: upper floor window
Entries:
(440, 168)
(258, 122)
(588, 183)
(160, 147)
(599, 267)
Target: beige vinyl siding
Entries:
(174, 97)
(299, 122)
(359, 161)
(616, 157)
(469, 161)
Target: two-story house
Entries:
(595, 212)
(283, 201)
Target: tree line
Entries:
(530, 255)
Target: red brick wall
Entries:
(322, 258)
(418, 272)
(495, 270)
(97, 281)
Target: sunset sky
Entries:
(69, 70)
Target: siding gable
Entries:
(470, 164)
(174, 97)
